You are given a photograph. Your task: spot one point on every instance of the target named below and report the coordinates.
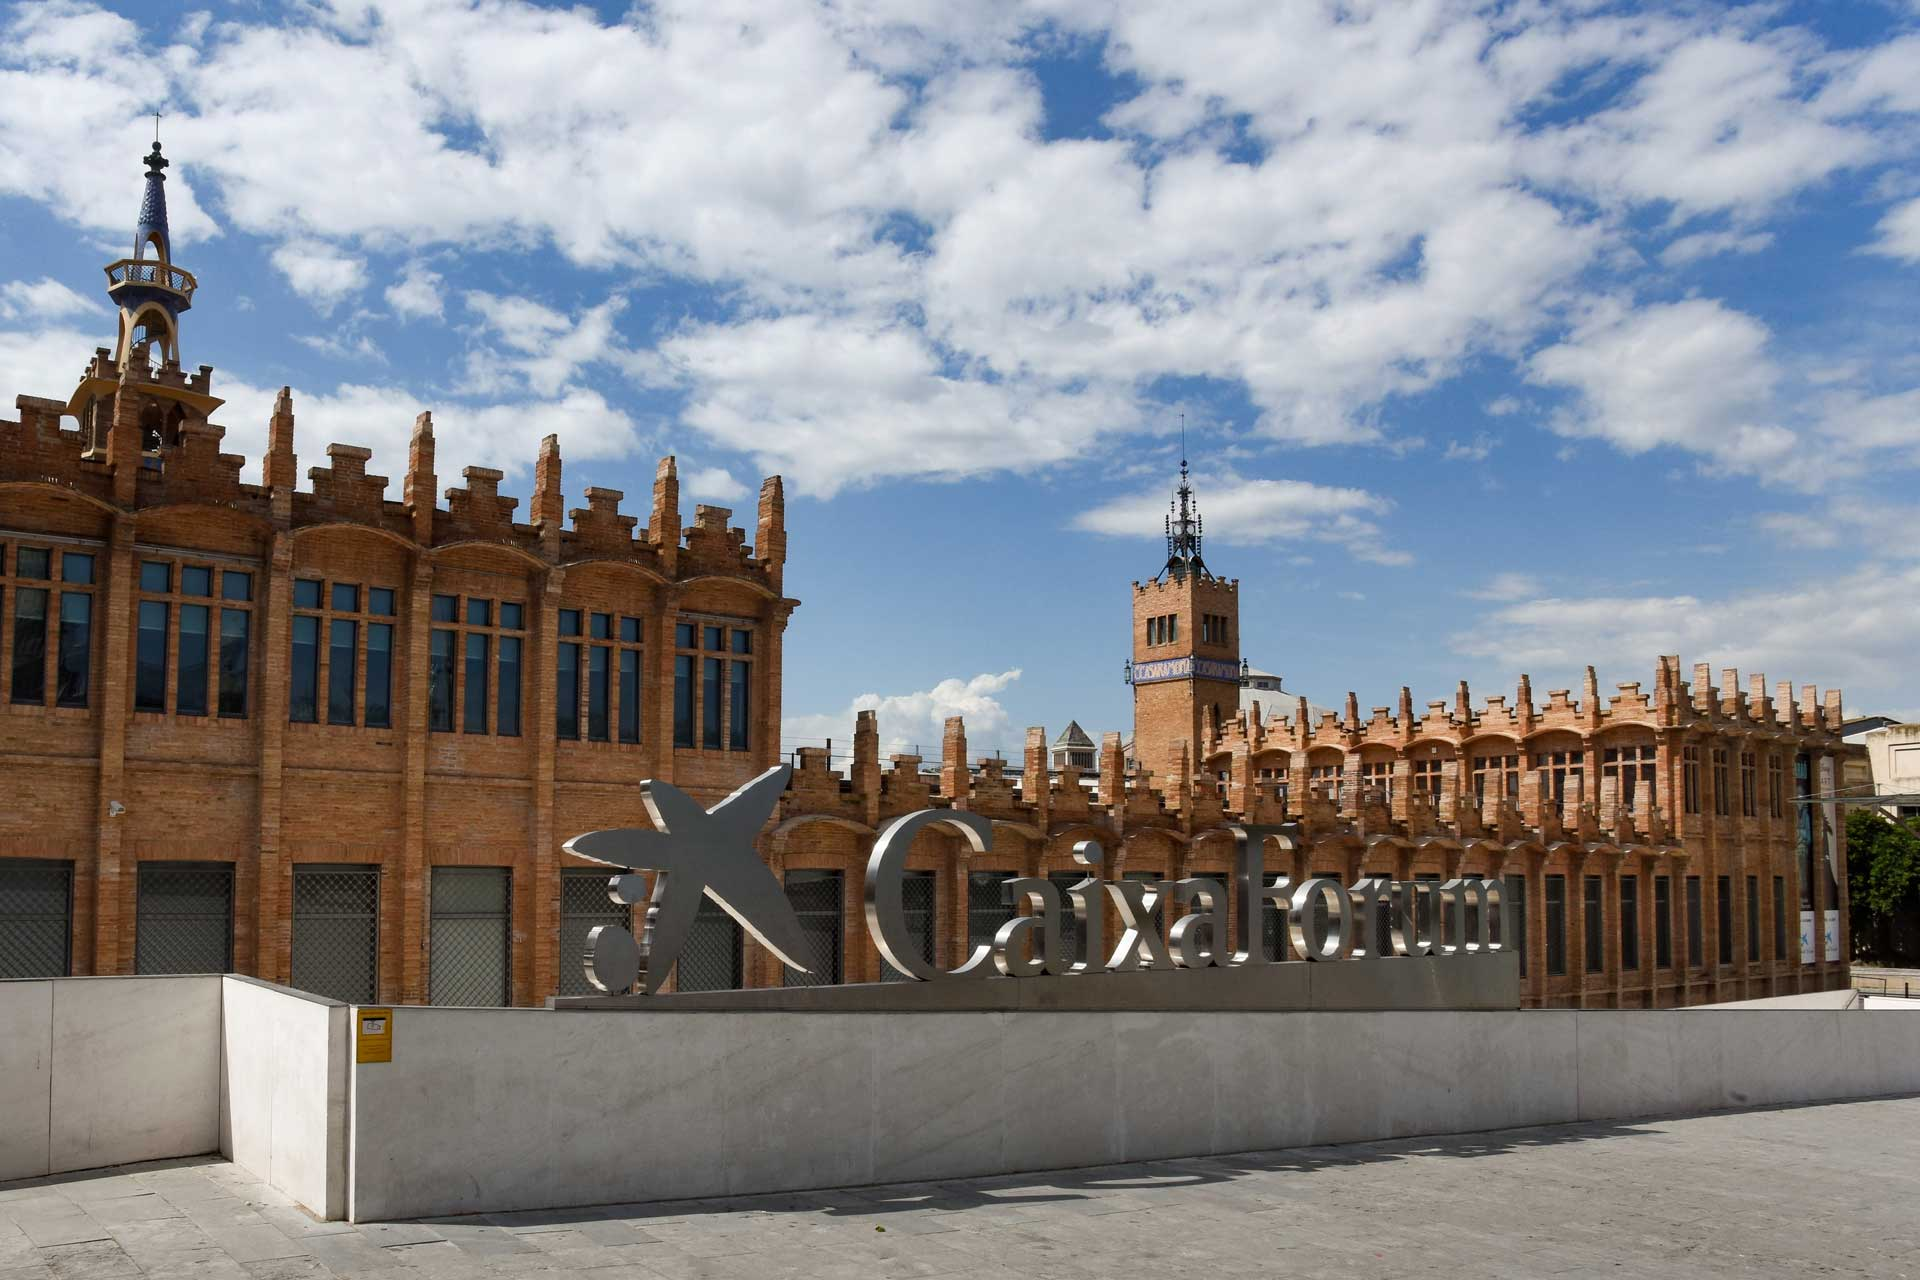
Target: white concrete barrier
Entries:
(490, 1109)
(283, 1085)
(101, 1071)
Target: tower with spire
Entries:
(1185, 666)
(134, 402)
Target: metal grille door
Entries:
(184, 921)
(987, 907)
(917, 892)
(469, 960)
(583, 906)
(336, 932)
(36, 918)
(710, 961)
(816, 899)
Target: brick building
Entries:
(362, 784)
(327, 737)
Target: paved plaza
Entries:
(1816, 1190)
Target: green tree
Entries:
(1883, 883)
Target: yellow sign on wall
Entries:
(373, 1037)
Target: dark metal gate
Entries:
(336, 931)
(470, 954)
(817, 900)
(583, 906)
(711, 959)
(36, 918)
(183, 922)
(917, 893)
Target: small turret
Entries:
(147, 288)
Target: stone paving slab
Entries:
(1822, 1190)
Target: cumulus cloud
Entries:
(1900, 232)
(716, 483)
(1254, 511)
(1855, 629)
(1323, 208)
(918, 719)
(322, 275)
(42, 300)
(416, 295)
(1691, 375)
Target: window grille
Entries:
(36, 918)
(470, 953)
(711, 959)
(184, 919)
(917, 893)
(1069, 922)
(987, 908)
(336, 931)
(816, 899)
(584, 906)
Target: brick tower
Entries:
(1186, 648)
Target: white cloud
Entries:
(1474, 450)
(322, 275)
(1900, 232)
(1707, 244)
(1507, 586)
(716, 483)
(907, 720)
(1324, 207)
(1251, 512)
(1855, 629)
(1796, 529)
(43, 300)
(416, 295)
(1692, 375)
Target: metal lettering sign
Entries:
(696, 852)
(1161, 670)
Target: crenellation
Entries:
(342, 490)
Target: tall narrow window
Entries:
(1556, 925)
(30, 644)
(236, 627)
(1722, 790)
(566, 702)
(190, 684)
(1594, 917)
(1753, 919)
(710, 673)
(76, 647)
(1629, 922)
(1663, 922)
(475, 719)
(1696, 944)
(379, 693)
(343, 637)
(1632, 767)
(629, 695)
(507, 689)
(440, 682)
(150, 658)
(303, 691)
(683, 701)
(1690, 778)
(740, 686)
(598, 691)
(1723, 916)
(1749, 785)
(1779, 917)
(1516, 918)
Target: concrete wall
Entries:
(485, 1110)
(100, 1071)
(283, 1089)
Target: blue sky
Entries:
(1511, 337)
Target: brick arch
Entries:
(617, 567)
(751, 584)
(467, 546)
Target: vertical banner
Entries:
(1806, 937)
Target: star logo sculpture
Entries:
(695, 851)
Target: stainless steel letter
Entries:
(886, 906)
(1140, 946)
(1211, 916)
(1303, 921)
(1254, 891)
